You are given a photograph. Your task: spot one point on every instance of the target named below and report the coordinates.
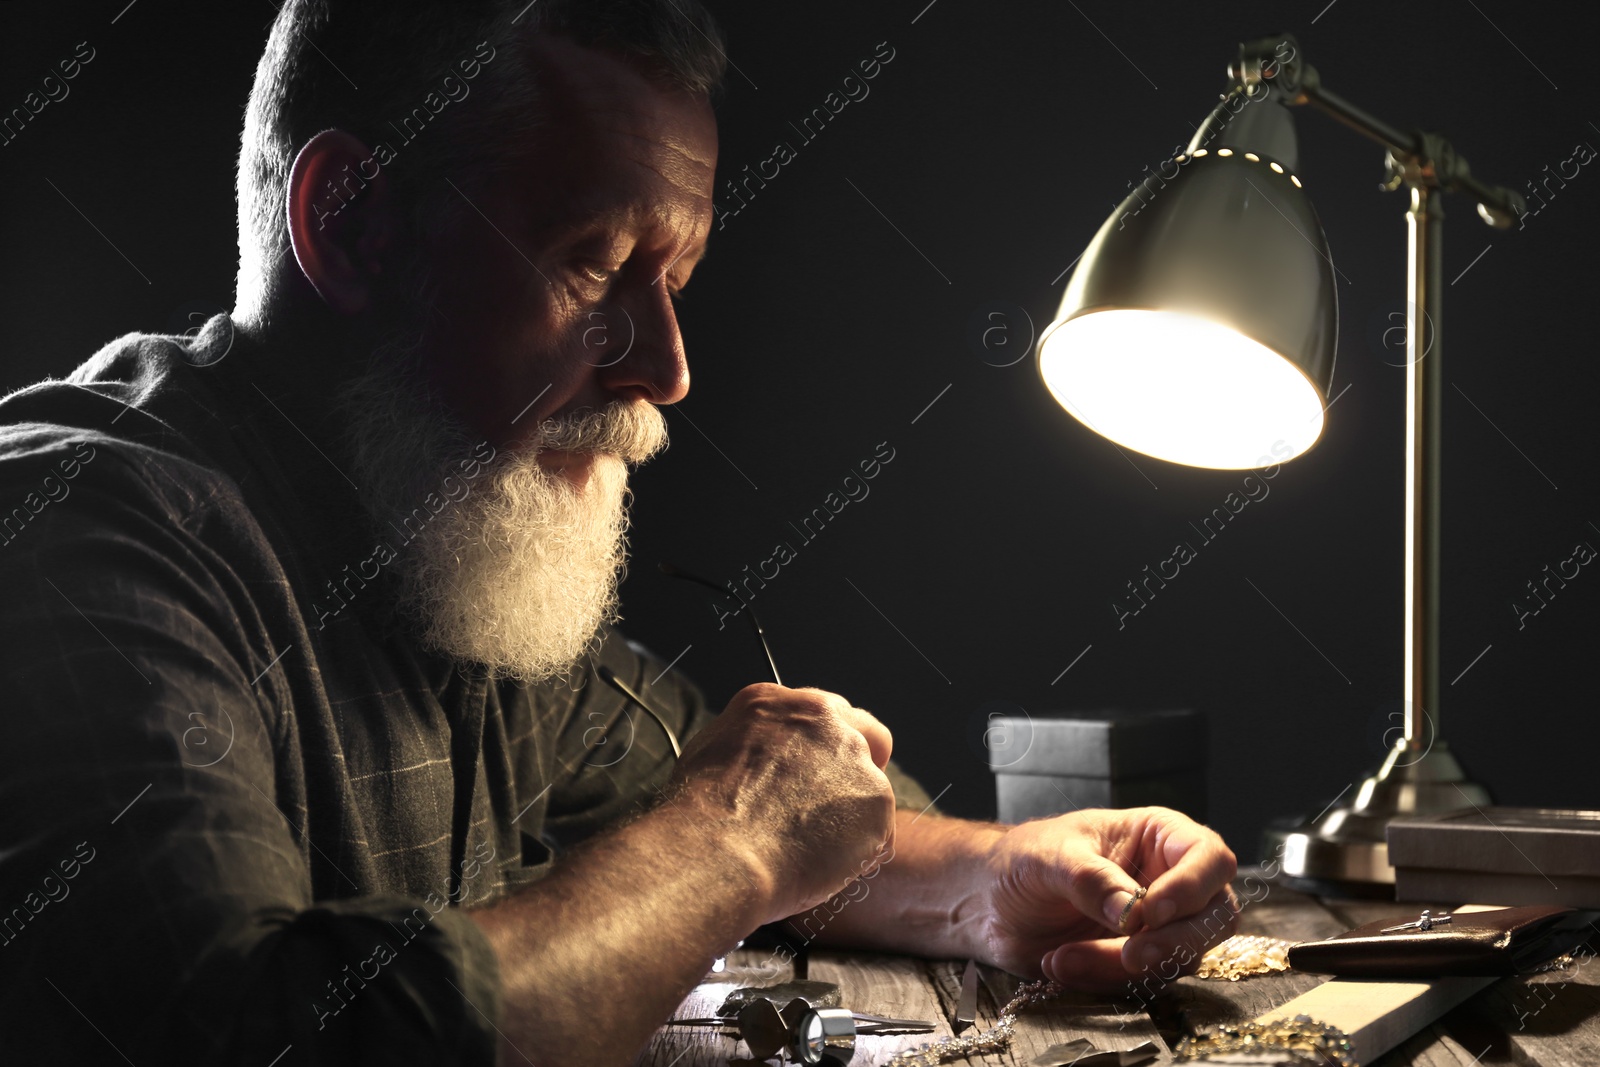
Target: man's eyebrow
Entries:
(695, 253)
(598, 226)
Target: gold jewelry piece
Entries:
(1244, 955)
(1303, 1037)
(1127, 909)
(995, 1039)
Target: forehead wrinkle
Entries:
(671, 202)
(597, 109)
(657, 140)
(618, 211)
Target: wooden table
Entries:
(1549, 1020)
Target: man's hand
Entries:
(1057, 888)
(786, 787)
(795, 778)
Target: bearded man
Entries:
(307, 616)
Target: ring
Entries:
(1127, 909)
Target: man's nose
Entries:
(646, 360)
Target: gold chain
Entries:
(1309, 1041)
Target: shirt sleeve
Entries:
(155, 893)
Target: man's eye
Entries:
(597, 273)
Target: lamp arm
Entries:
(1415, 158)
(1368, 125)
(1434, 158)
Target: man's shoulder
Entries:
(107, 426)
(124, 373)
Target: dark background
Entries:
(985, 558)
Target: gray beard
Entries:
(518, 569)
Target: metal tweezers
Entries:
(967, 1006)
(866, 1023)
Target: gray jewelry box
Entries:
(1046, 763)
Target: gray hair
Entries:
(380, 71)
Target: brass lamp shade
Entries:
(1201, 322)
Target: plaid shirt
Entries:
(233, 823)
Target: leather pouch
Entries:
(1499, 942)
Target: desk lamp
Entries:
(1200, 328)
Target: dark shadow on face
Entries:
(558, 289)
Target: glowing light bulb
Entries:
(1181, 388)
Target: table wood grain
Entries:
(1548, 1020)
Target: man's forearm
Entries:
(924, 897)
(597, 954)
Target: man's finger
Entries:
(880, 742)
(1176, 948)
(1094, 966)
(879, 739)
(1097, 887)
(1195, 865)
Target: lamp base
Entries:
(1344, 848)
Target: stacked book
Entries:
(1510, 856)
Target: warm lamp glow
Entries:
(1181, 388)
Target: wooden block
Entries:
(1377, 1014)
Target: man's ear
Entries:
(341, 219)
